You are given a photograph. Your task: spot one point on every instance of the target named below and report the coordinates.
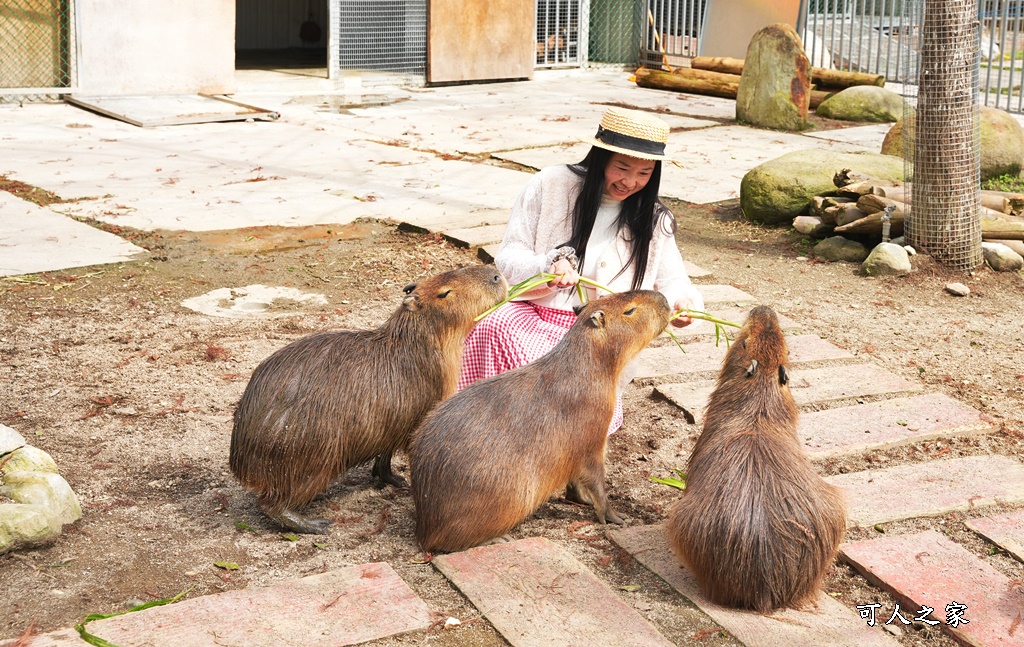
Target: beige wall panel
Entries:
(729, 25)
(480, 40)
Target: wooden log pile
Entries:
(859, 202)
(720, 77)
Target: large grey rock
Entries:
(1015, 245)
(1001, 258)
(775, 87)
(886, 259)
(780, 189)
(1002, 143)
(837, 248)
(10, 440)
(811, 226)
(863, 103)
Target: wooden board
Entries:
(480, 41)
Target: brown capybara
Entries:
(489, 456)
(335, 399)
(756, 524)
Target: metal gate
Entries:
(37, 49)
(559, 33)
(881, 37)
(672, 31)
(379, 42)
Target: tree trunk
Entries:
(685, 79)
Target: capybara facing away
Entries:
(489, 456)
(335, 399)
(756, 524)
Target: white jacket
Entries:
(541, 221)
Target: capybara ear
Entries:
(409, 288)
(752, 369)
(783, 375)
(577, 309)
(596, 319)
(411, 303)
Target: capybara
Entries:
(335, 399)
(489, 456)
(756, 524)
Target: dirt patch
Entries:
(132, 395)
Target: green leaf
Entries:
(241, 525)
(319, 545)
(672, 482)
(290, 537)
(227, 566)
(630, 587)
(902, 423)
(93, 639)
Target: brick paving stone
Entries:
(928, 569)
(929, 489)
(536, 594)
(830, 623)
(667, 359)
(346, 606)
(1004, 530)
(809, 386)
(725, 294)
(890, 423)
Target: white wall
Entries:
(156, 46)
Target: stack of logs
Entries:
(860, 201)
(720, 77)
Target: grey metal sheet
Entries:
(171, 109)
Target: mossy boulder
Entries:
(1002, 143)
(780, 189)
(775, 87)
(863, 103)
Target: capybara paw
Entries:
(299, 523)
(574, 494)
(610, 516)
(382, 471)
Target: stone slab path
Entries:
(928, 569)
(1004, 530)
(537, 595)
(342, 607)
(830, 624)
(846, 431)
(808, 386)
(929, 489)
(667, 360)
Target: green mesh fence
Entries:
(616, 31)
(36, 48)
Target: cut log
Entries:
(1009, 203)
(818, 97)
(994, 225)
(857, 189)
(892, 192)
(844, 214)
(872, 224)
(689, 80)
(819, 203)
(871, 203)
(834, 79)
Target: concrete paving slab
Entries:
(1003, 530)
(725, 295)
(830, 623)
(476, 236)
(696, 271)
(868, 137)
(36, 239)
(346, 606)
(929, 570)
(537, 594)
(930, 489)
(808, 386)
(846, 431)
(665, 361)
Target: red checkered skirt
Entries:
(512, 336)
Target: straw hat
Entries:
(633, 133)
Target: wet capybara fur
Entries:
(756, 524)
(335, 399)
(486, 458)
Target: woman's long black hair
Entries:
(639, 215)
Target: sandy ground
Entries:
(132, 395)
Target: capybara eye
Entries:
(409, 288)
(630, 311)
(444, 294)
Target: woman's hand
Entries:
(566, 276)
(683, 321)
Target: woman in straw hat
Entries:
(601, 219)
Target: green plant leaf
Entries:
(227, 566)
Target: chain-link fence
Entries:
(616, 30)
(37, 45)
(943, 148)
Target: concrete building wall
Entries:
(156, 46)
